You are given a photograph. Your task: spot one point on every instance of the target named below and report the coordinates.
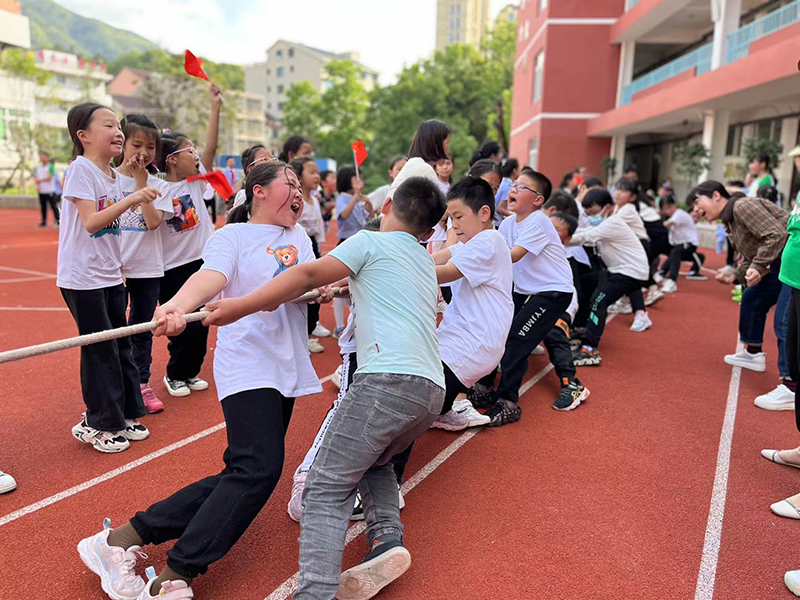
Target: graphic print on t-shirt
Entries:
(104, 202)
(184, 214)
(133, 219)
(286, 257)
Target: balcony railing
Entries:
(699, 58)
(629, 4)
(739, 41)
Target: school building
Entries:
(609, 83)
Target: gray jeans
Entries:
(379, 417)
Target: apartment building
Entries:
(461, 22)
(631, 79)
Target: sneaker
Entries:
(641, 323)
(736, 295)
(321, 331)
(728, 269)
(571, 395)
(658, 277)
(295, 508)
(170, 590)
(358, 509)
(135, 431)
(620, 308)
(337, 332)
(451, 421)
(754, 362)
(465, 407)
(7, 483)
(669, 287)
(696, 276)
(480, 398)
(176, 387)
(538, 351)
(503, 413)
(314, 346)
(42, 225)
(385, 563)
(336, 378)
(108, 442)
(151, 402)
(792, 581)
(196, 384)
(114, 565)
(586, 357)
(781, 398)
(653, 295)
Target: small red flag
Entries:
(218, 181)
(359, 152)
(194, 66)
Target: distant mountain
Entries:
(54, 27)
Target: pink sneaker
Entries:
(170, 590)
(113, 565)
(151, 402)
(295, 508)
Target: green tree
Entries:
(758, 145)
(690, 159)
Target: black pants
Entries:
(730, 258)
(51, 200)
(143, 298)
(672, 266)
(187, 350)
(792, 343)
(209, 516)
(313, 307)
(109, 377)
(585, 280)
(211, 205)
(612, 287)
(557, 343)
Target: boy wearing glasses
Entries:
(542, 292)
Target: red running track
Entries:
(610, 501)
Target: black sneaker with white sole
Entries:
(571, 395)
(481, 399)
(503, 413)
(176, 387)
(696, 276)
(385, 563)
(358, 509)
(196, 384)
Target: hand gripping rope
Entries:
(113, 334)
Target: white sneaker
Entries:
(321, 331)
(781, 398)
(196, 384)
(295, 506)
(7, 483)
(114, 566)
(658, 277)
(620, 308)
(451, 421)
(476, 419)
(669, 287)
(108, 442)
(653, 295)
(641, 323)
(538, 351)
(314, 346)
(135, 431)
(170, 590)
(176, 387)
(336, 378)
(754, 362)
(792, 581)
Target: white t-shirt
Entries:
(618, 246)
(311, 220)
(579, 254)
(544, 268)
(265, 349)
(46, 187)
(88, 261)
(142, 252)
(683, 229)
(648, 213)
(572, 309)
(347, 340)
(474, 327)
(439, 234)
(185, 233)
(633, 220)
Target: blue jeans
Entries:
(757, 300)
(781, 325)
(380, 416)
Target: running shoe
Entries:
(295, 508)
(108, 442)
(641, 323)
(7, 483)
(696, 276)
(503, 413)
(451, 421)
(170, 590)
(653, 295)
(135, 431)
(585, 357)
(755, 362)
(658, 277)
(114, 565)
(620, 308)
(321, 331)
(781, 398)
(669, 286)
(337, 332)
(151, 402)
(571, 395)
(384, 563)
(314, 346)
(465, 407)
(336, 378)
(176, 387)
(196, 384)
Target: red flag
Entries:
(359, 152)
(218, 181)
(194, 66)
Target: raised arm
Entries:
(212, 135)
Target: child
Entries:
(183, 236)
(46, 183)
(252, 156)
(476, 322)
(444, 171)
(90, 278)
(261, 365)
(542, 292)
(684, 241)
(397, 392)
(327, 196)
(627, 265)
(311, 221)
(142, 252)
(510, 172)
(295, 146)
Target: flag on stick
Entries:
(218, 181)
(194, 66)
(359, 154)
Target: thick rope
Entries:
(112, 334)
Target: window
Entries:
(253, 105)
(279, 54)
(533, 153)
(280, 89)
(279, 71)
(291, 52)
(281, 105)
(538, 71)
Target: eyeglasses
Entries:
(191, 149)
(519, 186)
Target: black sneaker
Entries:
(481, 399)
(696, 276)
(583, 357)
(571, 395)
(385, 563)
(176, 387)
(503, 413)
(358, 509)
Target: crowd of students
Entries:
(509, 262)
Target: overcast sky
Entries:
(387, 34)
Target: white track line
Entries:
(36, 308)
(708, 565)
(27, 279)
(32, 508)
(27, 245)
(28, 272)
(288, 587)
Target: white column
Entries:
(726, 15)
(789, 129)
(715, 139)
(618, 152)
(625, 76)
